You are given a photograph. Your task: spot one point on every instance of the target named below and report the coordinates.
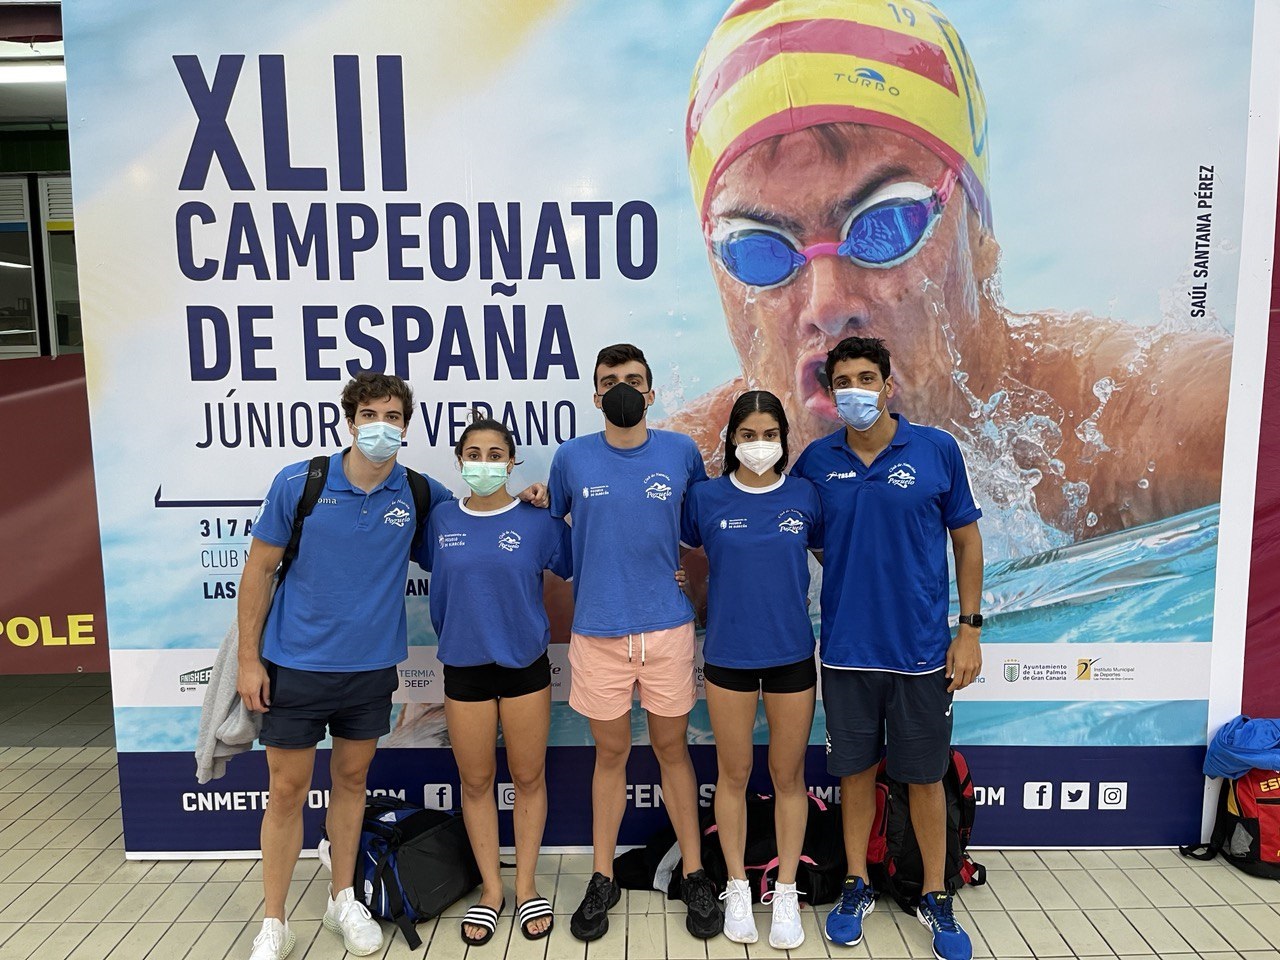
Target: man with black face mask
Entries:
(623, 489)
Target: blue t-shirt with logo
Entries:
(757, 541)
(341, 607)
(885, 585)
(486, 581)
(624, 506)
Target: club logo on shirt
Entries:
(657, 486)
(447, 540)
(841, 475)
(902, 475)
(509, 541)
(397, 514)
(791, 521)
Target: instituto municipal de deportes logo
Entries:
(1084, 668)
(1012, 670)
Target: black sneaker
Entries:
(705, 918)
(591, 920)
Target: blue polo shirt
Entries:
(885, 584)
(486, 581)
(341, 608)
(757, 541)
(625, 506)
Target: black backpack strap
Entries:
(317, 473)
(395, 900)
(1210, 850)
(421, 506)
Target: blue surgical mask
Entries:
(379, 442)
(484, 478)
(859, 408)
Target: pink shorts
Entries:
(606, 671)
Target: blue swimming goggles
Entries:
(887, 228)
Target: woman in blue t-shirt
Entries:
(757, 526)
(486, 555)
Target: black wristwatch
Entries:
(971, 619)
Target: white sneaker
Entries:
(349, 917)
(785, 932)
(739, 921)
(274, 942)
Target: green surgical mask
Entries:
(484, 478)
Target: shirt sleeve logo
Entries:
(902, 475)
(397, 514)
(509, 541)
(658, 487)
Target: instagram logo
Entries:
(1113, 796)
(506, 796)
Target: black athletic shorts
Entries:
(788, 678)
(867, 709)
(491, 681)
(354, 706)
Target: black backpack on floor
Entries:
(893, 853)
(412, 863)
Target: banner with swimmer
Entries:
(479, 196)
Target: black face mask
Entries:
(623, 405)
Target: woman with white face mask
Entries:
(757, 525)
(486, 554)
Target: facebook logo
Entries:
(1037, 796)
(437, 796)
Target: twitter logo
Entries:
(1075, 796)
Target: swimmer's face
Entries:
(782, 333)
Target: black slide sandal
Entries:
(533, 909)
(481, 916)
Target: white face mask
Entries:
(379, 442)
(759, 455)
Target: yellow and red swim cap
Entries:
(774, 67)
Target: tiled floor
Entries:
(67, 893)
(56, 710)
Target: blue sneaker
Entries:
(950, 942)
(844, 922)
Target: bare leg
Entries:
(526, 722)
(733, 716)
(349, 769)
(929, 820)
(609, 788)
(670, 739)
(790, 720)
(473, 730)
(281, 838)
(858, 803)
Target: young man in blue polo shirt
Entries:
(623, 489)
(330, 639)
(892, 493)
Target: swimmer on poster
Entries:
(840, 166)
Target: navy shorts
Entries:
(788, 678)
(354, 706)
(867, 709)
(492, 681)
